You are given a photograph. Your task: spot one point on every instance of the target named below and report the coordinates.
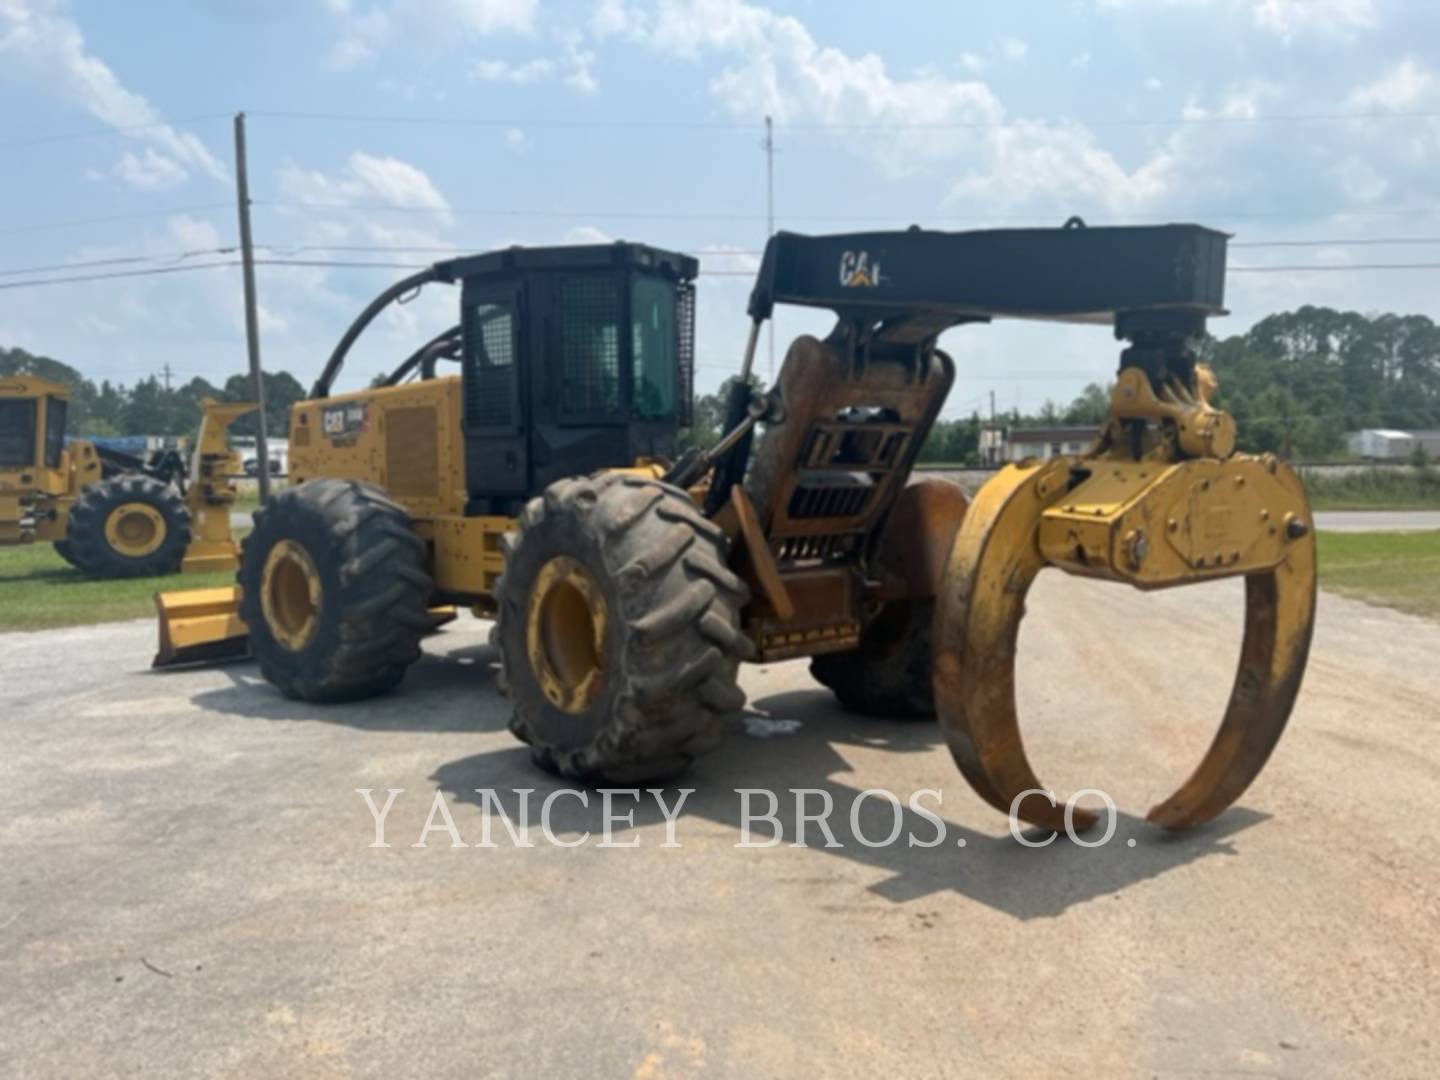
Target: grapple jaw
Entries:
(1136, 509)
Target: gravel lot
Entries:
(189, 890)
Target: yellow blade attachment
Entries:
(199, 626)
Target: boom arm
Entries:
(1070, 274)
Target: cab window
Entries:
(654, 340)
(590, 345)
(54, 431)
(17, 433)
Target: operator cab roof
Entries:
(621, 254)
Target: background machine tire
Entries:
(334, 591)
(619, 630)
(129, 526)
(890, 673)
(62, 548)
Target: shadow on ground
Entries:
(801, 730)
(442, 691)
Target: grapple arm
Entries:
(1159, 501)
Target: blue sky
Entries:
(542, 121)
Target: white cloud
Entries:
(613, 17)
(149, 171)
(773, 65)
(1360, 181)
(366, 178)
(1403, 86)
(1287, 19)
(587, 234)
(1010, 50)
(364, 33)
(574, 69)
(42, 46)
(580, 75)
(517, 141)
(505, 71)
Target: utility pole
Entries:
(994, 454)
(252, 320)
(769, 145)
(166, 372)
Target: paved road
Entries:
(1377, 520)
(187, 887)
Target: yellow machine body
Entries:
(407, 440)
(211, 491)
(40, 476)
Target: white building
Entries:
(1386, 444)
(1046, 442)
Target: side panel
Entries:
(467, 556)
(404, 439)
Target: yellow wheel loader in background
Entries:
(108, 514)
(539, 487)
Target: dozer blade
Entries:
(1151, 525)
(200, 626)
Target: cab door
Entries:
(497, 455)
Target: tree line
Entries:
(149, 407)
(1295, 382)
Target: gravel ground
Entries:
(189, 887)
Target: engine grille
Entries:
(412, 452)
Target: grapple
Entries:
(1160, 500)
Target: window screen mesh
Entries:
(17, 433)
(590, 345)
(685, 325)
(54, 431)
(490, 392)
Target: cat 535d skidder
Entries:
(537, 488)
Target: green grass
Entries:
(1376, 489)
(1398, 569)
(39, 591)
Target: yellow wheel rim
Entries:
(565, 634)
(290, 595)
(134, 529)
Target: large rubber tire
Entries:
(62, 548)
(889, 674)
(668, 647)
(363, 623)
(89, 547)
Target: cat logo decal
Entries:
(858, 272)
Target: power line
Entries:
(118, 274)
(100, 133)
(75, 222)
(119, 260)
(1329, 269)
(1378, 241)
(457, 250)
(828, 125)
(907, 216)
(339, 264)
